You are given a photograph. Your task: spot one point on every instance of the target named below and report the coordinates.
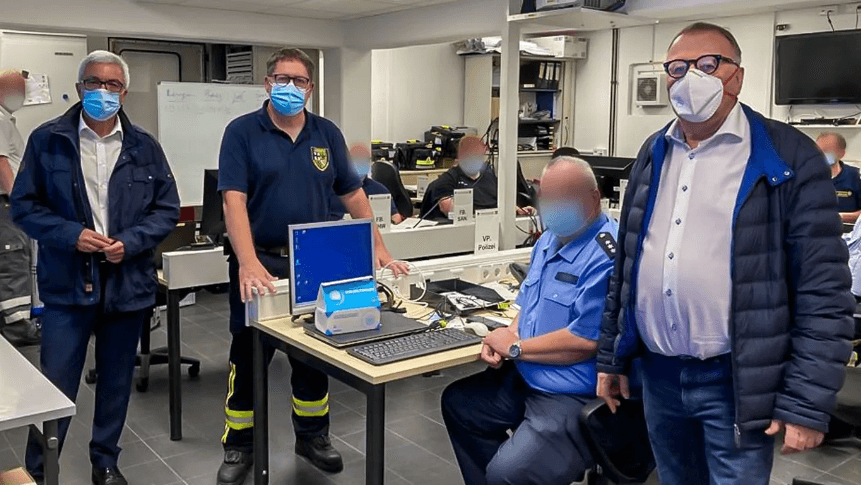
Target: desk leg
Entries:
(51, 452)
(174, 370)
(261, 417)
(374, 422)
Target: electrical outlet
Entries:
(828, 11)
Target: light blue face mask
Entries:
(100, 104)
(562, 218)
(472, 165)
(288, 100)
(830, 158)
(362, 167)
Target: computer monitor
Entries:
(609, 171)
(323, 252)
(212, 212)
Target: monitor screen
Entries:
(212, 213)
(609, 171)
(817, 68)
(324, 252)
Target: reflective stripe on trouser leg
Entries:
(234, 419)
(311, 408)
(17, 316)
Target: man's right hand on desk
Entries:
(254, 275)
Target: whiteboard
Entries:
(192, 119)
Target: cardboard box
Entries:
(16, 476)
(564, 46)
(347, 306)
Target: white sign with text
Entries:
(487, 231)
(381, 205)
(462, 210)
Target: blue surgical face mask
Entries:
(831, 159)
(563, 218)
(362, 166)
(101, 104)
(472, 165)
(288, 100)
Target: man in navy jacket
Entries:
(731, 279)
(97, 193)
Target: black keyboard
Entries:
(414, 345)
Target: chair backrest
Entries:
(526, 191)
(388, 175)
(619, 442)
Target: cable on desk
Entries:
(422, 284)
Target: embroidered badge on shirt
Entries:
(320, 158)
(607, 243)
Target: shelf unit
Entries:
(827, 127)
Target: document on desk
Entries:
(410, 222)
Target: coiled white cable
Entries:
(413, 270)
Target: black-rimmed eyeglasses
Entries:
(283, 80)
(92, 83)
(708, 64)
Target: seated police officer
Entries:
(470, 172)
(845, 178)
(542, 368)
(360, 159)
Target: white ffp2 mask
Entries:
(697, 96)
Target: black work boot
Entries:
(235, 467)
(320, 452)
(108, 476)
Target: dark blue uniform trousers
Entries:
(66, 331)
(309, 386)
(545, 447)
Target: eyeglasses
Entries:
(93, 83)
(709, 63)
(283, 80)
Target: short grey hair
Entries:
(578, 162)
(103, 57)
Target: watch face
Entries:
(514, 351)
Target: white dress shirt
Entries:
(684, 285)
(11, 143)
(98, 159)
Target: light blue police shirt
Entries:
(566, 288)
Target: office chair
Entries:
(388, 175)
(147, 357)
(527, 193)
(619, 443)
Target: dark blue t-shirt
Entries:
(847, 188)
(286, 182)
(371, 187)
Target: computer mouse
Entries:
(480, 329)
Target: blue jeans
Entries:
(690, 414)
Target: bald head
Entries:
(360, 150)
(833, 143)
(571, 179)
(11, 90)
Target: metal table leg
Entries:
(374, 421)
(174, 371)
(261, 404)
(51, 452)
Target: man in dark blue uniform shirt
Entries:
(538, 393)
(360, 159)
(844, 177)
(278, 166)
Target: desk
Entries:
(441, 240)
(369, 379)
(29, 399)
(185, 271)
(408, 177)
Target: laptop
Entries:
(391, 325)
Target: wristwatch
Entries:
(515, 350)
